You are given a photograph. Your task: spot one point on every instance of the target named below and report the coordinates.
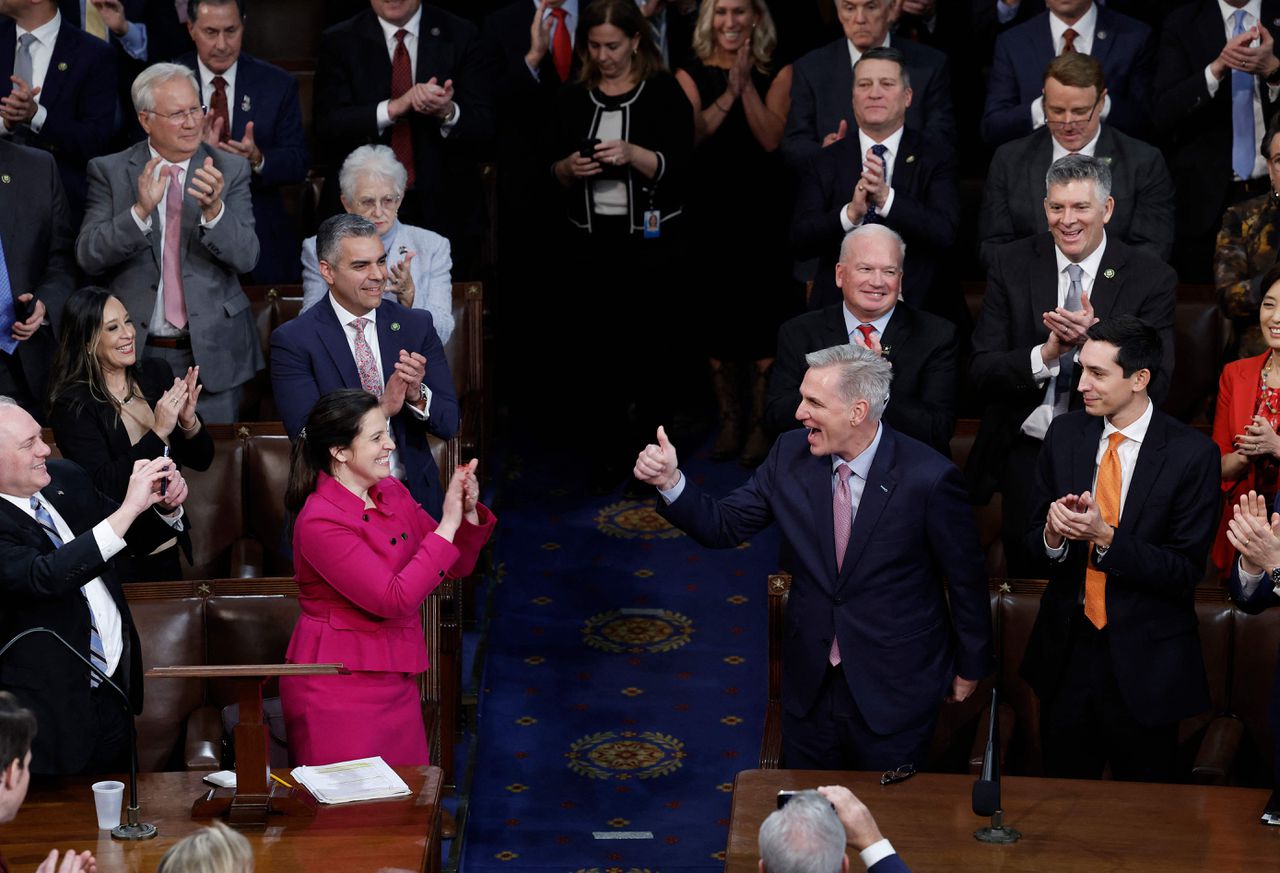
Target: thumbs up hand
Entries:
(657, 465)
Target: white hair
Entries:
(864, 375)
(376, 161)
(144, 86)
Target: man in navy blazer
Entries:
(265, 128)
(822, 81)
(910, 186)
(74, 112)
(1122, 45)
(320, 351)
(870, 645)
(1125, 509)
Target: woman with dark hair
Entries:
(625, 137)
(740, 108)
(365, 557)
(1247, 419)
(108, 409)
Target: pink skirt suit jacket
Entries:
(1237, 402)
(362, 575)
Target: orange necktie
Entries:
(1108, 499)
(1069, 40)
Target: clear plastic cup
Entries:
(108, 799)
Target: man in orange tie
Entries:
(1126, 505)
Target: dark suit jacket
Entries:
(353, 75)
(1157, 557)
(925, 211)
(79, 95)
(310, 357)
(35, 230)
(1022, 285)
(1013, 200)
(1124, 47)
(901, 646)
(922, 349)
(1196, 129)
(890, 864)
(268, 96)
(40, 587)
(822, 96)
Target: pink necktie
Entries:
(842, 513)
(175, 301)
(365, 364)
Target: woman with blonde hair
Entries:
(215, 849)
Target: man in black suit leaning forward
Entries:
(1126, 506)
(874, 524)
(57, 538)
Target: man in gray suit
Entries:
(1074, 94)
(180, 288)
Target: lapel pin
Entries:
(62, 67)
(435, 31)
(1107, 160)
(395, 325)
(1109, 273)
(884, 489)
(5, 178)
(245, 105)
(911, 159)
(1102, 34)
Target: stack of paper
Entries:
(348, 781)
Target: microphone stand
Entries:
(986, 791)
(132, 829)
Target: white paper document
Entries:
(349, 781)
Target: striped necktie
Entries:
(97, 653)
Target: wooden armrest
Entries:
(1218, 750)
(203, 749)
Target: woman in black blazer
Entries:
(624, 143)
(108, 410)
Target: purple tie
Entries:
(175, 302)
(365, 364)
(842, 513)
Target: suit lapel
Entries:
(62, 64)
(334, 340)
(833, 327)
(815, 479)
(138, 158)
(1151, 458)
(1102, 37)
(27, 525)
(1109, 283)
(1044, 281)
(246, 90)
(375, 52)
(1084, 455)
(389, 342)
(881, 480)
(8, 52)
(1041, 44)
(840, 82)
(191, 209)
(1042, 157)
(897, 333)
(906, 163)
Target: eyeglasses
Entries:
(388, 204)
(182, 116)
(1061, 118)
(906, 771)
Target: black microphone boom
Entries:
(132, 830)
(986, 791)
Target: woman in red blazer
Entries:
(365, 556)
(1247, 419)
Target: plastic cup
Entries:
(108, 798)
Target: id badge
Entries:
(652, 224)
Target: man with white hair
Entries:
(810, 832)
(873, 523)
(169, 228)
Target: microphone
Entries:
(986, 791)
(132, 829)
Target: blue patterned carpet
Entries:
(624, 682)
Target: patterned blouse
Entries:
(1247, 245)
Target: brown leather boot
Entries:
(725, 382)
(757, 444)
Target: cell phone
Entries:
(784, 797)
(164, 483)
(587, 149)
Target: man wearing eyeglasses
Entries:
(1043, 293)
(168, 228)
(1074, 95)
(881, 173)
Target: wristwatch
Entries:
(1275, 576)
(422, 391)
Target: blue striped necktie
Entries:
(97, 654)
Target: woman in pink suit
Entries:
(365, 556)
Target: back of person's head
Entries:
(1138, 344)
(805, 836)
(627, 17)
(215, 849)
(76, 362)
(336, 228)
(764, 34)
(17, 730)
(333, 423)
(1076, 70)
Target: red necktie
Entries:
(561, 47)
(218, 107)
(867, 330)
(1069, 40)
(402, 81)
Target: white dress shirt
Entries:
(1087, 149)
(855, 54)
(1037, 423)
(1252, 12)
(371, 336)
(851, 323)
(1085, 29)
(1127, 452)
(891, 143)
(41, 52)
(207, 89)
(411, 28)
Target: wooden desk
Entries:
(1066, 824)
(400, 834)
